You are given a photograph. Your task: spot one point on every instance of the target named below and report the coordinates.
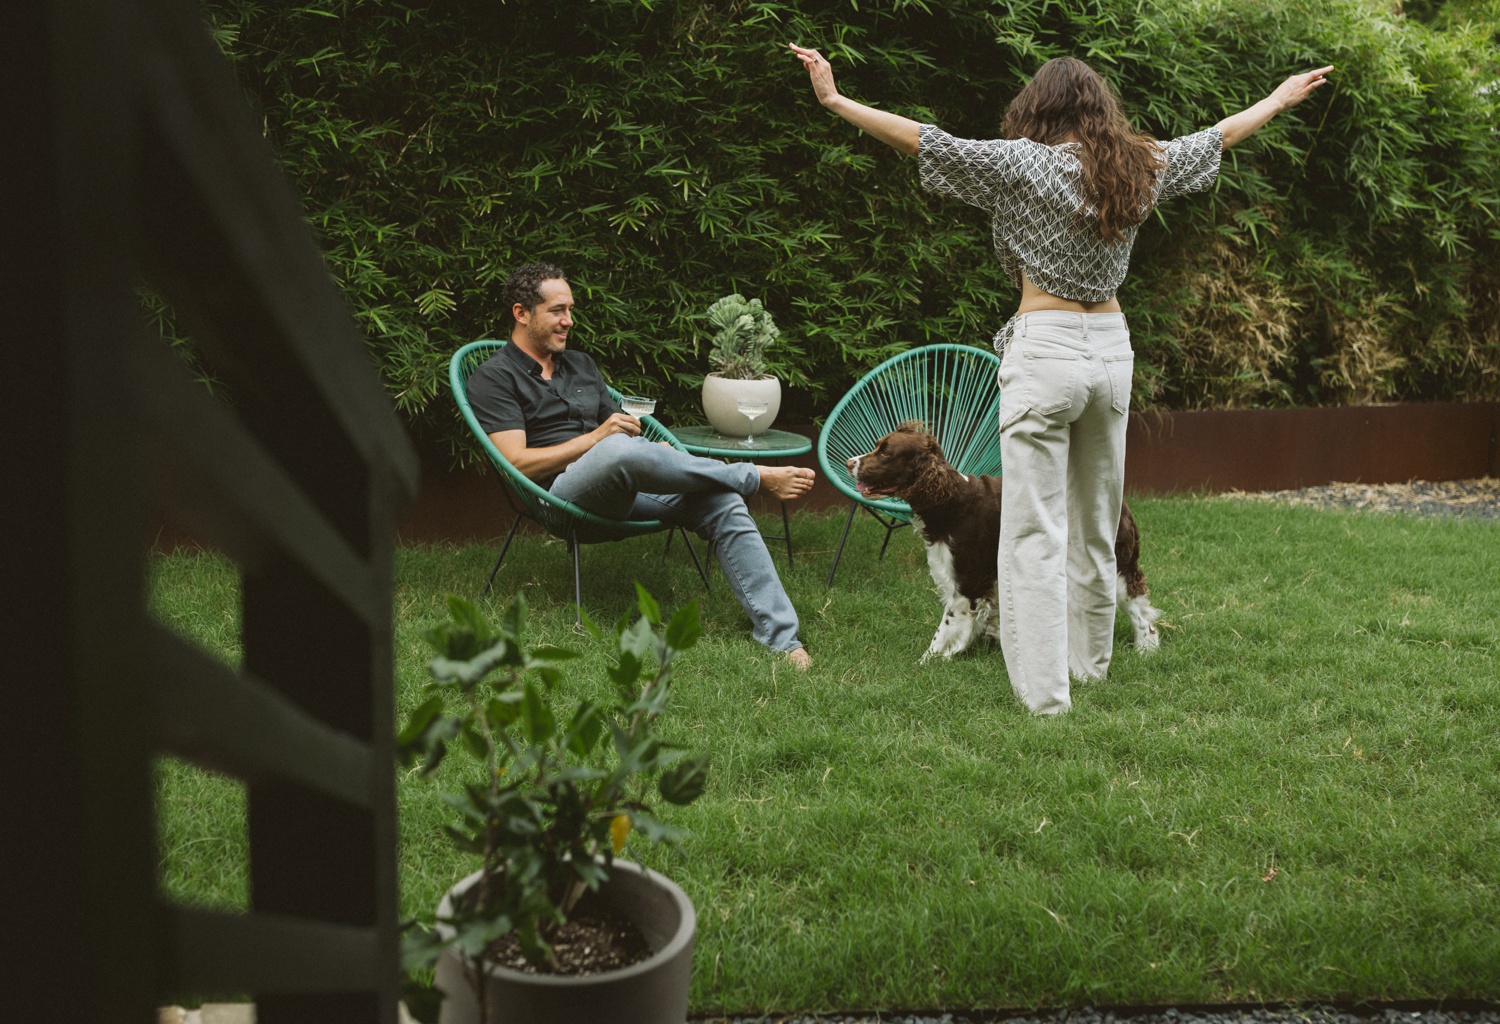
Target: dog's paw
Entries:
(1148, 641)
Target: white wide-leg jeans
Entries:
(1064, 405)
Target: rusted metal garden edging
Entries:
(1281, 449)
(1241, 449)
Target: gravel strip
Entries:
(1458, 499)
(1479, 1014)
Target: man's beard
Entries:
(544, 339)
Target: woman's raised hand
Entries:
(900, 133)
(1297, 88)
(819, 70)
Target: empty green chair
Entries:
(952, 390)
(560, 518)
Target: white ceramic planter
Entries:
(654, 991)
(721, 397)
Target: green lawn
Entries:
(1297, 797)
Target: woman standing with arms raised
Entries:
(1067, 188)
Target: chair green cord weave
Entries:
(951, 390)
(560, 518)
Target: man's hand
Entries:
(618, 423)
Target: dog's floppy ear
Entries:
(936, 482)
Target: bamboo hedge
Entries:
(670, 152)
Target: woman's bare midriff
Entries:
(1034, 299)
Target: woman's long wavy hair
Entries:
(1067, 101)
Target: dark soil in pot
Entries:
(595, 938)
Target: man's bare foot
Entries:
(799, 658)
(785, 482)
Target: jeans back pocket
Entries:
(1120, 369)
(1050, 382)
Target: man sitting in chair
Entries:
(548, 411)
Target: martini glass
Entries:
(750, 408)
(638, 406)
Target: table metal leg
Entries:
(786, 529)
(785, 535)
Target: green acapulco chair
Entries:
(952, 390)
(560, 518)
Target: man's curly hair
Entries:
(524, 285)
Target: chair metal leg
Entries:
(515, 522)
(667, 550)
(853, 506)
(702, 572)
(573, 546)
(890, 528)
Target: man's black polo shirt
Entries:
(507, 392)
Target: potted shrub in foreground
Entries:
(739, 398)
(536, 933)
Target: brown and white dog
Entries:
(959, 519)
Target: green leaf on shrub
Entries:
(650, 610)
(420, 719)
(685, 781)
(589, 626)
(475, 935)
(474, 742)
(684, 630)
(585, 729)
(668, 754)
(579, 773)
(467, 615)
(536, 717)
(502, 711)
(656, 831)
(625, 672)
(513, 619)
(424, 1000)
(465, 805)
(469, 672)
(533, 945)
(430, 740)
(420, 946)
(463, 841)
(590, 871)
(541, 657)
(639, 639)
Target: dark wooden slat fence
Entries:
(134, 159)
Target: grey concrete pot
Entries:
(721, 397)
(654, 991)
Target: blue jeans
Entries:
(631, 478)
